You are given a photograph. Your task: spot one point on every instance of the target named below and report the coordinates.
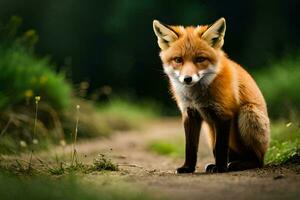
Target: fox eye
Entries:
(178, 60)
(200, 59)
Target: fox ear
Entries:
(214, 35)
(165, 35)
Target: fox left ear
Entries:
(165, 34)
(214, 35)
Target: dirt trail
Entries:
(154, 172)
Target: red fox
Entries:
(213, 91)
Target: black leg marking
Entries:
(242, 165)
(222, 129)
(243, 162)
(192, 125)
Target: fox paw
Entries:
(184, 169)
(212, 168)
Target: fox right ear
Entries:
(165, 35)
(214, 35)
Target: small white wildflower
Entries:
(288, 124)
(37, 99)
(23, 143)
(35, 141)
(77, 107)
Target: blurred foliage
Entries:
(126, 113)
(23, 75)
(91, 123)
(112, 42)
(101, 119)
(278, 83)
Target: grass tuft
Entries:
(37, 166)
(102, 163)
(64, 168)
(74, 152)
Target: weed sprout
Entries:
(74, 153)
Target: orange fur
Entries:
(225, 85)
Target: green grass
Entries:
(173, 148)
(100, 164)
(65, 188)
(285, 143)
(103, 163)
(59, 165)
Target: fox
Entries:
(215, 94)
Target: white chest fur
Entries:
(190, 96)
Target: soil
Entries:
(144, 169)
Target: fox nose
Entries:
(187, 79)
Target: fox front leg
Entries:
(192, 124)
(221, 147)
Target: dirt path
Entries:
(154, 172)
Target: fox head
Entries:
(190, 54)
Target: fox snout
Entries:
(186, 77)
(192, 77)
(189, 79)
(189, 74)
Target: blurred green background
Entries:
(103, 56)
(111, 43)
(95, 66)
